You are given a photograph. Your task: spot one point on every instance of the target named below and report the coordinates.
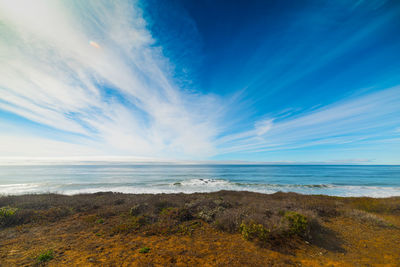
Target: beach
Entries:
(224, 228)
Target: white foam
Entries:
(198, 185)
(18, 189)
(203, 182)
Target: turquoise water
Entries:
(375, 181)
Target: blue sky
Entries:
(268, 81)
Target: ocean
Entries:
(374, 181)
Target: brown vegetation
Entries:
(242, 228)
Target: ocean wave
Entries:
(201, 182)
(18, 189)
(221, 182)
(345, 191)
(197, 185)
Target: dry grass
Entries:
(377, 205)
(366, 217)
(256, 216)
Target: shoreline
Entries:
(221, 228)
(375, 195)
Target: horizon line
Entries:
(6, 161)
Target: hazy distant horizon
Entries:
(133, 160)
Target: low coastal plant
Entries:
(368, 218)
(298, 223)
(144, 250)
(100, 221)
(45, 256)
(253, 231)
(6, 213)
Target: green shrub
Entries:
(144, 250)
(253, 231)
(45, 256)
(298, 223)
(6, 213)
(100, 221)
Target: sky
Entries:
(263, 81)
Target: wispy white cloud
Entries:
(349, 121)
(57, 58)
(91, 68)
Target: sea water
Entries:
(374, 181)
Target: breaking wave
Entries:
(198, 185)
